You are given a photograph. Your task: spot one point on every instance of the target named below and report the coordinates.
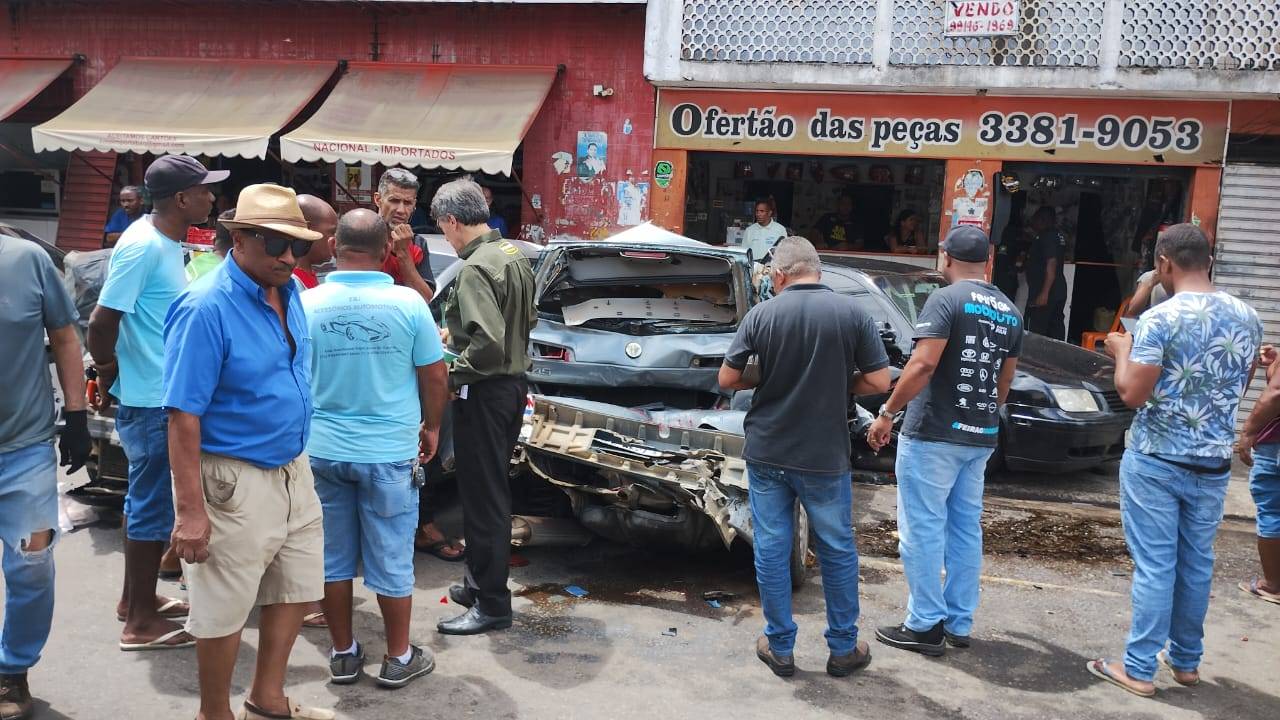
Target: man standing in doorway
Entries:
(126, 339)
(237, 386)
(129, 211)
(379, 392)
(33, 304)
(839, 231)
(496, 221)
(798, 444)
(967, 342)
(488, 318)
(322, 218)
(1046, 281)
(1184, 371)
(409, 261)
(764, 233)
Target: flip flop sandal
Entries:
(169, 574)
(436, 547)
(1163, 657)
(161, 643)
(167, 610)
(1251, 587)
(315, 620)
(1098, 669)
(296, 712)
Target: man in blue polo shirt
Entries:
(130, 211)
(237, 384)
(380, 385)
(126, 340)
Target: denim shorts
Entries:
(28, 493)
(148, 506)
(1264, 484)
(370, 516)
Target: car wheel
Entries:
(799, 547)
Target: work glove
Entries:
(75, 443)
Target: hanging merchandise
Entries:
(881, 175)
(795, 171)
(771, 168)
(1048, 182)
(915, 175)
(742, 169)
(1009, 181)
(845, 173)
(816, 171)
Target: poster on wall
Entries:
(1148, 131)
(358, 181)
(633, 199)
(981, 18)
(593, 149)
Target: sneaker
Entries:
(781, 665)
(902, 637)
(15, 697)
(395, 674)
(956, 641)
(846, 665)
(345, 668)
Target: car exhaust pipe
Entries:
(530, 531)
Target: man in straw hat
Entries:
(237, 387)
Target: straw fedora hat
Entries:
(270, 207)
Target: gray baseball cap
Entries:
(171, 174)
(967, 243)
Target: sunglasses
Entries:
(275, 245)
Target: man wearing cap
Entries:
(126, 339)
(967, 341)
(237, 358)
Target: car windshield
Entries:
(909, 292)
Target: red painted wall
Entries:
(597, 44)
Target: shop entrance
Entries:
(1109, 216)
(839, 203)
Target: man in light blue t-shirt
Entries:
(126, 339)
(379, 385)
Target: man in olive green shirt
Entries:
(488, 319)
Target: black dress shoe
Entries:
(473, 622)
(930, 642)
(462, 595)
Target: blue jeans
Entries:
(28, 504)
(1264, 485)
(370, 516)
(148, 505)
(939, 526)
(1170, 517)
(828, 499)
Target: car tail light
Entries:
(552, 352)
(644, 255)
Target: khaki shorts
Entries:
(266, 545)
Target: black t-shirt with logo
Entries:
(1048, 244)
(982, 329)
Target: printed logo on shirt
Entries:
(971, 339)
(963, 403)
(991, 308)
(964, 387)
(508, 248)
(923, 325)
(974, 429)
(357, 327)
(969, 354)
(984, 358)
(968, 372)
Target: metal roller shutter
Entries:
(1248, 249)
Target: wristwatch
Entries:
(884, 412)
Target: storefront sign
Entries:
(662, 173)
(1172, 132)
(981, 18)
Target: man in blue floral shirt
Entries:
(1184, 371)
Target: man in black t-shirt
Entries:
(839, 229)
(968, 339)
(815, 348)
(1046, 280)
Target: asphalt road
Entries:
(644, 644)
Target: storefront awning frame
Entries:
(440, 115)
(195, 106)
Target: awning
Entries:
(22, 79)
(185, 105)
(446, 116)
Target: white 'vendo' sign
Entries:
(981, 18)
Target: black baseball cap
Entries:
(967, 243)
(171, 174)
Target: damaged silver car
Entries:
(628, 418)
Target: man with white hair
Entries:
(815, 348)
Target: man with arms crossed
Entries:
(380, 386)
(815, 348)
(249, 528)
(967, 343)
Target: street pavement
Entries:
(643, 643)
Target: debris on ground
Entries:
(714, 603)
(670, 632)
(1026, 534)
(575, 591)
(718, 595)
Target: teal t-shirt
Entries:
(144, 277)
(369, 336)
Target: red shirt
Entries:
(307, 277)
(391, 265)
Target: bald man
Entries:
(322, 218)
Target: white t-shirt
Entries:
(761, 239)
